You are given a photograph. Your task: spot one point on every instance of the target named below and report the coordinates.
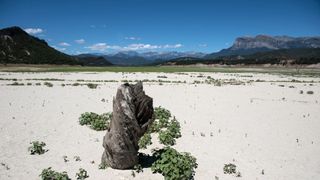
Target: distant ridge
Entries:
(17, 46)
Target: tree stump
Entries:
(131, 117)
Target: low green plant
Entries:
(96, 121)
(48, 84)
(103, 165)
(82, 174)
(16, 84)
(138, 168)
(49, 174)
(37, 148)
(92, 86)
(174, 165)
(145, 141)
(229, 168)
(167, 127)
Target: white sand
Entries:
(255, 126)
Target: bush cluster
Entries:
(166, 126)
(174, 165)
(95, 121)
(49, 174)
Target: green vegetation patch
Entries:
(95, 121)
(174, 165)
(49, 174)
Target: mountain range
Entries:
(17, 46)
(263, 43)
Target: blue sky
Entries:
(157, 25)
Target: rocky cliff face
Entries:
(275, 42)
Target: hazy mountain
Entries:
(93, 60)
(264, 43)
(279, 56)
(136, 58)
(17, 46)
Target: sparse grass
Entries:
(169, 69)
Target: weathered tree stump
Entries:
(132, 115)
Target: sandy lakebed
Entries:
(260, 122)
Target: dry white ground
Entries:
(258, 126)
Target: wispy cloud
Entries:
(101, 47)
(80, 41)
(132, 38)
(33, 30)
(59, 49)
(64, 44)
(133, 47)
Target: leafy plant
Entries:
(103, 165)
(92, 86)
(49, 174)
(82, 174)
(37, 148)
(167, 127)
(96, 121)
(174, 165)
(138, 168)
(229, 168)
(145, 141)
(48, 84)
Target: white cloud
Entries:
(132, 38)
(133, 47)
(80, 41)
(102, 47)
(59, 49)
(172, 46)
(64, 44)
(33, 30)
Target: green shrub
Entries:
(75, 84)
(145, 141)
(49, 174)
(92, 86)
(82, 174)
(48, 84)
(16, 84)
(170, 134)
(174, 165)
(37, 148)
(229, 169)
(96, 121)
(87, 118)
(168, 129)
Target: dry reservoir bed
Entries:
(267, 125)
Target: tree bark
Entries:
(132, 115)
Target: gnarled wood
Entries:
(132, 114)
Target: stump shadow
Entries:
(145, 160)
